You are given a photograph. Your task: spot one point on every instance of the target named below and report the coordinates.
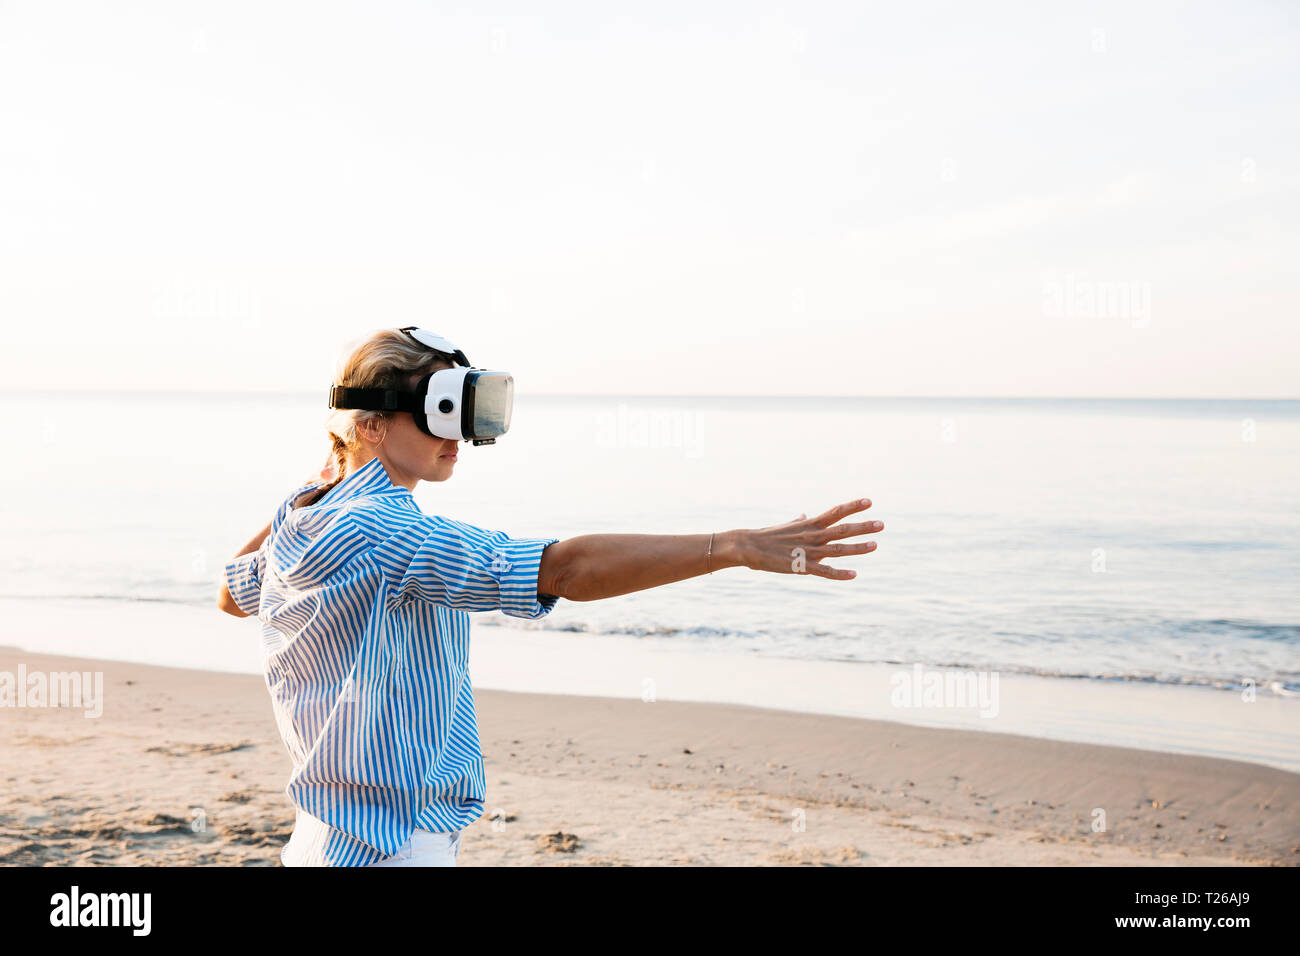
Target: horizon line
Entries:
(88, 390)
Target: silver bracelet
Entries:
(707, 562)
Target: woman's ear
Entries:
(373, 430)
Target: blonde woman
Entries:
(364, 601)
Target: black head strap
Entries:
(375, 399)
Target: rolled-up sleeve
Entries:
(244, 580)
(457, 565)
(522, 559)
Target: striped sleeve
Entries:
(457, 565)
(244, 573)
(286, 506)
(244, 579)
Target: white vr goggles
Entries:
(463, 403)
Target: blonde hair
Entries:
(388, 358)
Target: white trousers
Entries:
(426, 849)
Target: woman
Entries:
(363, 602)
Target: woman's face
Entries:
(408, 454)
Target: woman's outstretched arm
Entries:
(596, 566)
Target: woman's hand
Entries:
(800, 545)
(328, 471)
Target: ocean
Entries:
(1145, 542)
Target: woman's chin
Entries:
(441, 470)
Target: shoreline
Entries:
(586, 780)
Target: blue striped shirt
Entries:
(362, 600)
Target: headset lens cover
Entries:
(492, 395)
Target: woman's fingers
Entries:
(835, 574)
(824, 548)
(837, 551)
(828, 518)
(851, 530)
(808, 541)
(843, 550)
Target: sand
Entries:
(184, 767)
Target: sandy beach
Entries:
(184, 767)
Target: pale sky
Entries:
(694, 198)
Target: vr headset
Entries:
(463, 402)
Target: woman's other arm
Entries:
(596, 566)
(326, 474)
(224, 600)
